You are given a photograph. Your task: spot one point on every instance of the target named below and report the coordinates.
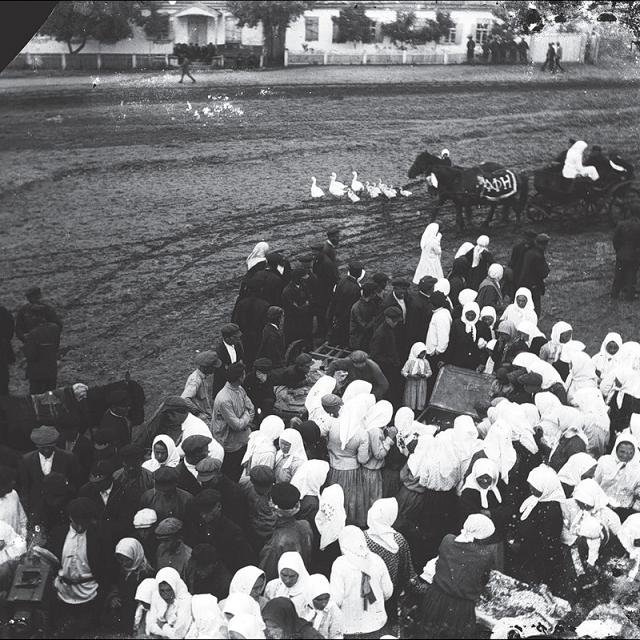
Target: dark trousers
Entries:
(624, 279)
(536, 296)
(185, 72)
(4, 380)
(551, 63)
(42, 386)
(73, 620)
(232, 465)
(558, 65)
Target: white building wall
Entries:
(573, 46)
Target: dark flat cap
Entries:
(131, 452)
(369, 288)
(285, 495)
(380, 279)
(305, 259)
(207, 499)
(426, 284)
(263, 364)
(393, 312)
(166, 476)
(207, 468)
(229, 330)
(356, 267)
(195, 443)
(262, 475)
(169, 527)
(333, 230)
(274, 313)
(208, 359)
(44, 436)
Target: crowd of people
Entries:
(281, 496)
(496, 49)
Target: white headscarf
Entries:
(484, 467)
(332, 516)
(495, 271)
(323, 386)
(547, 403)
(353, 546)
(629, 384)
(517, 314)
(531, 330)
(430, 236)
(380, 518)
(247, 626)
(559, 350)
(470, 325)
(467, 295)
(356, 388)
(317, 585)
(310, 477)
(481, 246)
(575, 467)
(208, 620)
(498, 446)
(629, 533)
(379, 416)
(582, 372)
(533, 364)
(238, 603)
(352, 417)
(409, 430)
(443, 286)
(259, 254)
(546, 480)
(245, 579)
(173, 455)
(465, 247)
(476, 527)
(261, 441)
(177, 614)
(296, 450)
(603, 360)
(573, 166)
(522, 418)
(419, 365)
(293, 561)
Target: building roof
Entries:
(196, 10)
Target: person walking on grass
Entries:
(550, 60)
(559, 57)
(185, 66)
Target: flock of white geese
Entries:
(356, 190)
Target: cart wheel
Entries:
(536, 212)
(620, 203)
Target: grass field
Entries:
(136, 218)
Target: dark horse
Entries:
(19, 415)
(489, 182)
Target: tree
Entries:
(103, 21)
(407, 31)
(275, 16)
(353, 25)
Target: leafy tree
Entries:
(275, 16)
(153, 21)
(353, 24)
(407, 30)
(103, 21)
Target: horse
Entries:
(77, 404)
(489, 182)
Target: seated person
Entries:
(573, 165)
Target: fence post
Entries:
(325, 59)
(286, 58)
(98, 61)
(286, 54)
(445, 58)
(404, 56)
(134, 61)
(166, 60)
(63, 61)
(29, 59)
(222, 62)
(364, 58)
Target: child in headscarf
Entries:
(322, 612)
(521, 309)
(261, 448)
(360, 584)
(417, 372)
(169, 615)
(164, 453)
(291, 455)
(291, 581)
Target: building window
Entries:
(232, 32)
(311, 29)
(450, 38)
(482, 32)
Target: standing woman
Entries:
(251, 581)
(521, 309)
(256, 261)
(438, 333)
(291, 581)
(164, 453)
(330, 521)
(461, 573)
(360, 584)
(623, 400)
(466, 333)
(261, 447)
(170, 612)
(309, 480)
(291, 455)
(429, 264)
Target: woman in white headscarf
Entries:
(330, 520)
(629, 536)
(429, 264)
(605, 357)
(208, 620)
(348, 446)
(313, 404)
(246, 627)
(623, 399)
(531, 336)
(360, 584)
(309, 480)
(261, 448)
(595, 419)
(416, 372)
(536, 550)
(170, 611)
(467, 338)
(238, 604)
(164, 453)
(572, 437)
(461, 573)
(258, 257)
(381, 437)
(559, 349)
(490, 290)
(291, 581)
(481, 258)
(582, 375)
(322, 612)
(391, 546)
(547, 404)
(573, 167)
(521, 309)
(577, 468)
(251, 581)
(291, 455)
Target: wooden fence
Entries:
(391, 58)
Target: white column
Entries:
(446, 57)
(63, 61)
(286, 58)
(364, 58)
(404, 56)
(99, 61)
(166, 60)
(134, 62)
(325, 60)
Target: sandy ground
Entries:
(136, 218)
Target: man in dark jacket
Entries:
(419, 311)
(250, 314)
(385, 352)
(358, 366)
(270, 281)
(364, 314)
(626, 242)
(550, 59)
(229, 350)
(296, 302)
(399, 298)
(331, 244)
(535, 269)
(326, 272)
(272, 343)
(41, 346)
(24, 320)
(196, 448)
(259, 388)
(517, 257)
(7, 356)
(346, 294)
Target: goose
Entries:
(352, 196)
(385, 190)
(316, 191)
(356, 185)
(337, 189)
(196, 114)
(188, 106)
(405, 193)
(374, 191)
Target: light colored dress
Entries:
(429, 264)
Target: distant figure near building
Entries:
(550, 60)
(185, 66)
(558, 56)
(471, 47)
(626, 242)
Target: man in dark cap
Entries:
(47, 458)
(257, 490)
(207, 573)
(363, 318)
(288, 534)
(346, 294)
(419, 311)
(229, 351)
(385, 352)
(359, 366)
(41, 346)
(132, 480)
(517, 257)
(211, 526)
(172, 551)
(399, 298)
(259, 388)
(165, 498)
(24, 320)
(271, 280)
(296, 303)
(331, 244)
(195, 449)
(72, 441)
(326, 272)
(172, 414)
(381, 280)
(294, 375)
(116, 418)
(86, 571)
(535, 270)
(272, 343)
(198, 391)
(250, 314)
(233, 414)
(56, 493)
(7, 357)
